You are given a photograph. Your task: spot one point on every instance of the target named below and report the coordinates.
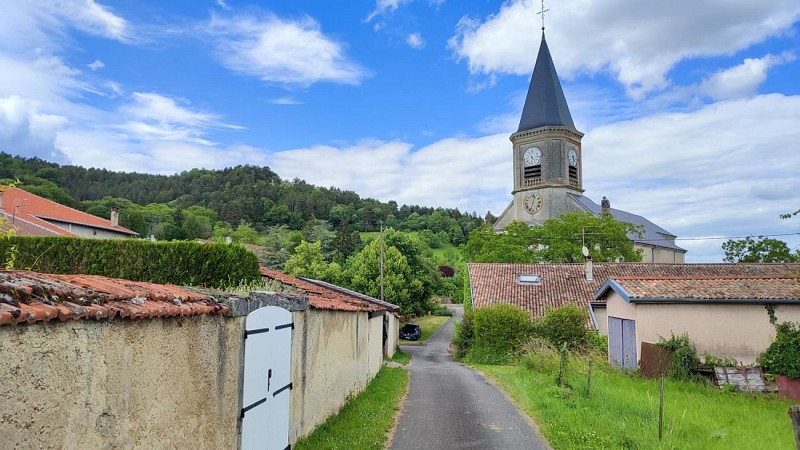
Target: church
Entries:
(548, 167)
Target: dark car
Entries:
(410, 332)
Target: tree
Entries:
(346, 242)
(514, 245)
(424, 274)
(365, 276)
(558, 240)
(763, 249)
(562, 239)
(308, 261)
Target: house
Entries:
(724, 316)
(539, 287)
(323, 295)
(31, 215)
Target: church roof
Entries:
(653, 234)
(545, 104)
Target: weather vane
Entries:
(542, 11)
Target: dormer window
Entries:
(534, 280)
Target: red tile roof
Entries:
(321, 297)
(29, 297)
(563, 284)
(705, 289)
(34, 211)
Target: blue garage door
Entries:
(622, 342)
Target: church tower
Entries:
(547, 151)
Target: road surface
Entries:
(450, 406)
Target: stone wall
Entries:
(155, 383)
(172, 382)
(334, 354)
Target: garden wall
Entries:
(170, 382)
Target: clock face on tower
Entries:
(573, 157)
(532, 156)
(533, 202)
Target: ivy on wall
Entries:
(175, 262)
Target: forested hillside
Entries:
(190, 204)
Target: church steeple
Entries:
(545, 104)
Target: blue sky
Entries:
(691, 109)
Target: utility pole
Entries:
(381, 260)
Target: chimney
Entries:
(115, 216)
(605, 205)
(588, 268)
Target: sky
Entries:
(690, 109)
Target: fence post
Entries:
(589, 379)
(661, 408)
(562, 364)
(794, 413)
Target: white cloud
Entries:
(414, 40)
(742, 80)
(637, 42)
(384, 7)
(93, 18)
(291, 52)
(477, 170)
(222, 4)
(727, 169)
(96, 65)
(33, 23)
(286, 100)
(151, 116)
(25, 129)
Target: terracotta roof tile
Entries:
(32, 212)
(705, 289)
(29, 297)
(563, 284)
(321, 297)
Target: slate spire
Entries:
(545, 103)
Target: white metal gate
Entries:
(267, 379)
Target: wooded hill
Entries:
(189, 204)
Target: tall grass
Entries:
(621, 411)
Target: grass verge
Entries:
(366, 419)
(429, 325)
(622, 411)
(401, 357)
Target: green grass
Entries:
(401, 357)
(622, 411)
(429, 325)
(365, 420)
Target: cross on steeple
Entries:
(542, 11)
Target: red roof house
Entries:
(31, 215)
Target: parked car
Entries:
(410, 332)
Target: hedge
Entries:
(175, 262)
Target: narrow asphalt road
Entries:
(450, 406)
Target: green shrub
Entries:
(782, 357)
(176, 262)
(597, 342)
(499, 332)
(441, 310)
(464, 334)
(684, 357)
(563, 324)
